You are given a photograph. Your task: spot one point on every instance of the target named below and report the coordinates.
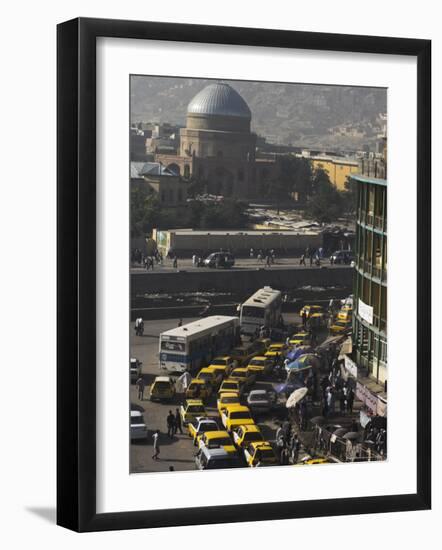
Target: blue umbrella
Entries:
(297, 352)
(305, 361)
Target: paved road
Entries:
(240, 264)
(178, 451)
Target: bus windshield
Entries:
(250, 311)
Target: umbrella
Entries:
(318, 420)
(340, 432)
(297, 352)
(306, 361)
(296, 397)
(351, 435)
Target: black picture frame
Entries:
(76, 273)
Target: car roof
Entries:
(235, 407)
(258, 392)
(230, 380)
(230, 394)
(250, 428)
(194, 402)
(162, 379)
(197, 381)
(258, 357)
(217, 452)
(261, 444)
(217, 433)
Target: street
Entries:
(240, 264)
(178, 451)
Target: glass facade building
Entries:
(370, 284)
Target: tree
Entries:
(350, 195)
(326, 203)
(144, 210)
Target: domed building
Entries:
(217, 146)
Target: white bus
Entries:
(191, 346)
(262, 309)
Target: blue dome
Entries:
(221, 100)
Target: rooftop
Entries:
(220, 100)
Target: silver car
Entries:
(261, 401)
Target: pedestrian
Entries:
(140, 386)
(178, 424)
(284, 457)
(302, 260)
(170, 424)
(294, 448)
(252, 253)
(194, 260)
(180, 323)
(175, 262)
(267, 261)
(350, 399)
(156, 445)
(304, 318)
(260, 256)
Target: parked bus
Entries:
(262, 309)
(193, 345)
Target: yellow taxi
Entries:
(345, 313)
(340, 327)
(210, 376)
(162, 388)
(274, 351)
(260, 453)
(216, 439)
(300, 339)
(198, 389)
(219, 372)
(191, 409)
(245, 434)
(244, 376)
(227, 398)
(229, 385)
(261, 344)
(315, 461)
(225, 361)
(309, 309)
(260, 366)
(236, 415)
(243, 354)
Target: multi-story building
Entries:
(370, 287)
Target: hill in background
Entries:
(315, 116)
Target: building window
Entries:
(186, 171)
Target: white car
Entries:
(201, 425)
(138, 428)
(135, 369)
(261, 401)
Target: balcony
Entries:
(373, 168)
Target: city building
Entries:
(368, 360)
(218, 147)
(169, 187)
(338, 169)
